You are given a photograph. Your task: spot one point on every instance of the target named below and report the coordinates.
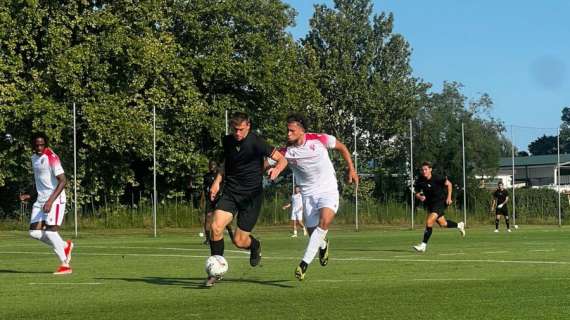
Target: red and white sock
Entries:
(58, 245)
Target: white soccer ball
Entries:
(516, 226)
(216, 266)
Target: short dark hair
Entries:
(39, 135)
(427, 163)
(299, 118)
(500, 183)
(239, 117)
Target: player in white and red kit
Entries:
(49, 208)
(296, 206)
(307, 155)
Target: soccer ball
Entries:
(216, 266)
(516, 226)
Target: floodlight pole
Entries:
(75, 170)
(356, 184)
(412, 196)
(558, 179)
(154, 168)
(513, 179)
(464, 177)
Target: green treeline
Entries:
(192, 61)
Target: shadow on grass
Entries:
(25, 272)
(371, 250)
(198, 283)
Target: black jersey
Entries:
(501, 196)
(209, 178)
(433, 189)
(244, 159)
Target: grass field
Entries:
(372, 274)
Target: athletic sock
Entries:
(427, 234)
(217, 247)
(497, 224)
(315, 242)
(295, 231)
(58, 245)
(254, 243)
(451, 224)
(506, 222)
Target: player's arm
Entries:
(288, 205)
(449, 187)
(279, 167)
(506, 200)
(420, 196)
(352, 176)
(61, 181)
(215, 187)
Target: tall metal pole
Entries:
(464, 177)
(513, 178)
(413, 198)
(356, 185)
(155, 198)
(227, 127)
(558, 179)
(75, 170)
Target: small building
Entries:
(535, 171)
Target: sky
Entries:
(516, 51)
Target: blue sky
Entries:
(516, 51)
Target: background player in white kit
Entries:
(49, 208)
(296, 206)
(307, 155)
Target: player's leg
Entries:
(506, 215)
(249, 208)
(300, 221)
(61, 248)
(497, 217)
(207, 223)
(37, 224)
(320, 212)
(430, 221)
(444, 223)
(220, 220)
(294, 223)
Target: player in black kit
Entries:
(209, 179)
(500, 200)
(244, 158)
(435, 192)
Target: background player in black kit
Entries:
(435, 192)
(244, 162)
(500, 199)
(210, 205)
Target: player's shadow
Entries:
(198, 283)
(372, 250)
(25, 272)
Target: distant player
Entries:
(500, 201)
(49, 208)
(210, 205)
(307, 154)
(296, 206)
(435, 192)
(242, 195)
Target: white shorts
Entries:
(312, 206)
(297, 215)
(52, 218)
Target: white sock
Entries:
(58, 245)
(295, 231)
(41, 236)
(316, 240)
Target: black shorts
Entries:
(438, 208)
(504, 211)
(246, 207)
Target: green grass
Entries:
(373, 274)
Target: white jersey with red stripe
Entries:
(47, 167)
(311, 165)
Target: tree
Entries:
(363, 71)
(544, 145)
